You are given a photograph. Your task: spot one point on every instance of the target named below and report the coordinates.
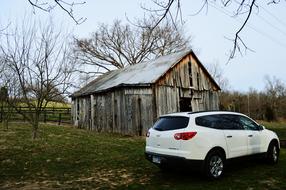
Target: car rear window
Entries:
(171, 123)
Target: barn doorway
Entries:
(185, 104)
(140, 127)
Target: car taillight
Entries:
(185, 135)
(148, 134)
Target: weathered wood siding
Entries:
(73, 111)
(127, 111)
(80, 111)
(139, 110)
(177, 76)
(167, 100)
(184, 82)
(102, 112)
(205, 94)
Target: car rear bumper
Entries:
(175, 161)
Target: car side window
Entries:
(206, 121)
(230, 122)
(220, 121)
(248, 124)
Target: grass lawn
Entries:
(68, 158)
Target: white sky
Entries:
(265, 33)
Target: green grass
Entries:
(69, 158)
(58, 105)
(50, 104)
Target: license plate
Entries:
(156, 159)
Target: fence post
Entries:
(60, 118)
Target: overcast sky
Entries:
(265, 33)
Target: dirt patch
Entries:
(54, 135)
(111, 179)
(101, 178)
(30, 185)
(3, 147)
(269, 182)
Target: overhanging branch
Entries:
(65, 6)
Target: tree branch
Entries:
(47, 7)
(237, 38)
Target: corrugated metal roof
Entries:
(144, 73)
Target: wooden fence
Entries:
(50, 114)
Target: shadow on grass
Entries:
(243, 173)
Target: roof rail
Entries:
(210, 111)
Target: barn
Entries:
(129, 100)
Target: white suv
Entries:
(209, 139)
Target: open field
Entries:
(69, 158)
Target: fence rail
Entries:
(49, 114)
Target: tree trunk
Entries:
(35, 126)
(6, 123)
(35, 131)
(7, 117)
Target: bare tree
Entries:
(118, 45)
(37, 69)
(67, 6)
(276, 92)
(244, 8)
(217, 73)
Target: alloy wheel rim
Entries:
(216, 166)
(274, 153)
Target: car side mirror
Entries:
(261, 127)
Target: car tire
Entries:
(272, 153)
(214, 165)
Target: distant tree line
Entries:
(269, 104)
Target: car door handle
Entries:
(229, 136)
(250, 135)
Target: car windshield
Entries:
(171, 123)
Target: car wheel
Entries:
(214, 165)
(273, 153)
